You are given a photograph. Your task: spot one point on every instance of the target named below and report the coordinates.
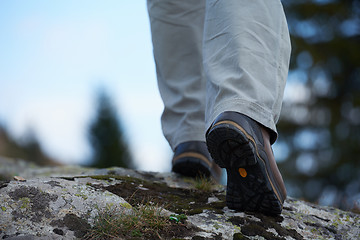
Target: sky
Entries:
(54, 55)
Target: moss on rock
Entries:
(178, 200)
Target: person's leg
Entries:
(177, 33)
(246, 58)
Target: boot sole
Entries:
(191, 167)
(249, 187)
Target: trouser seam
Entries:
(261, 115)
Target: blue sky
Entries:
(53, 57)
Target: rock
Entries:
(66, 202)
(12, 167)
(50, 207)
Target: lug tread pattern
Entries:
(231, 149)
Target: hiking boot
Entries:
(192, 159)
(242, 146)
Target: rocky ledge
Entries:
(81, 203)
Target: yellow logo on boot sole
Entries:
(242, 172)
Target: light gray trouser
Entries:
(218, 55)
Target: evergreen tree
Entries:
(320, 128)
(27, 148)
(106, 136)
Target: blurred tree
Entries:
(27, 148)
(319, 143)
(106, 136)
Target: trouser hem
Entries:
(250, 109)
(186, 136)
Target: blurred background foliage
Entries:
(27, 147)
(106, 136)
(319, 143)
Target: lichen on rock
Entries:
(29, 208)
(32, 203)
(68, 205)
